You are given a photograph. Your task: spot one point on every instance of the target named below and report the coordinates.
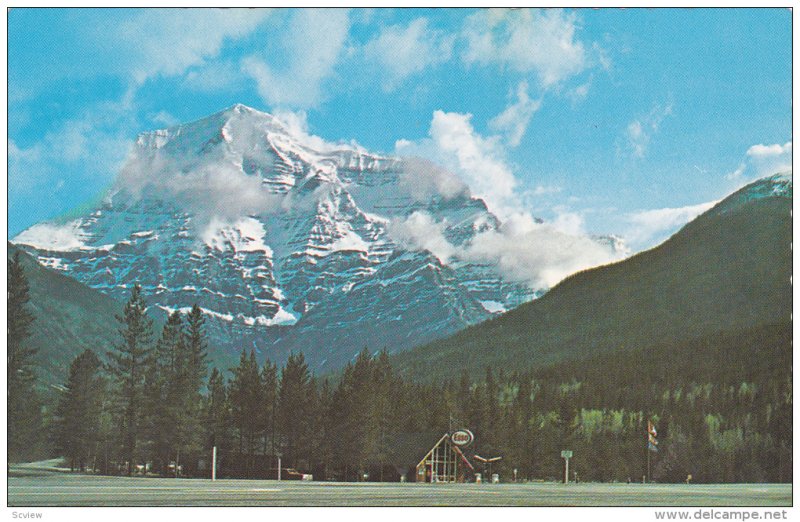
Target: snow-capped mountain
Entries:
(287, 242)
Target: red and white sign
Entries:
(462, 437)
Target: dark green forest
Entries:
(150, 403)
(730, 269)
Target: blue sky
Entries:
(598, 120)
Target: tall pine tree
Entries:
(163, 393)
(217, 413)
(295, 410)
(246, 402)
(78, 414)
(24, 410)
(127, 365)
(191, 377)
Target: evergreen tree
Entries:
(127, 368)
(269, 409)
(163, 393)
(191, 377)
(78, 413)
(24, 409)
(246, 402)
(196, 351)
(18, 358)
(217, 412)
(325, 444)
(380, 410)
(295, 410)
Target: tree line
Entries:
(151, 404)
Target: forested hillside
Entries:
(728, 270)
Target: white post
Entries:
(214, 463)
(566, 471)
(279, 468)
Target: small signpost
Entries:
(566, 455)
(214, 463)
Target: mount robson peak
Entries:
(290, 243)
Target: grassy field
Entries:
(62, 489)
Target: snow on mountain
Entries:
(287, 242)
(777, 185)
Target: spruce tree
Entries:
(295, 409)
(163, 395)
(381, 407)
(246, 402)
(269, 410)
(191, 377)
(18, 358)
(127, 367)
(78, 414)
(196, 351)
(24, 409)
(217, 412)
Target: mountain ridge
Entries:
(729, 268)
(287, 242)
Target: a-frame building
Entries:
(445, 462)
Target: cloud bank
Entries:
(521, 249)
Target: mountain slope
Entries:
(287, 242)
(727, 270)
(69, 317)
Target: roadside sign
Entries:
(462, 437)
(566, 455)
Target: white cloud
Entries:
(211, 190)
(420, 232)
(568, 222)
(296, 122)
(522, 249)
(526, 40)
(25, 167)
(402, 51)
(768, 151)
(579, 93)
(648, 228)
(169, 41)
(640, 131)
(770, 159)
(538, 253)
(312, 45)
(762, 160)
(514, 120)
(737, 174)
(479, 161)
(423, 179)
